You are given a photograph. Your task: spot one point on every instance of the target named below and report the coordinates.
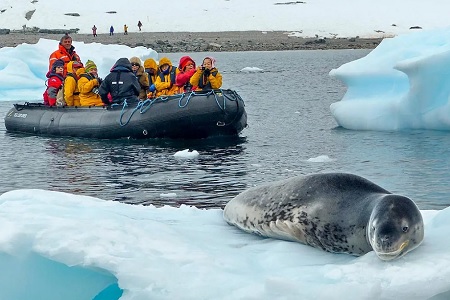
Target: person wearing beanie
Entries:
(141, 75)
(121, 83)
(88, 84)
(186, 70)
(207, 77)
(54, 82)
(71, 93)
(151, 68)
(66, 52)
(165, 81)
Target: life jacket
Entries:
(90, 77)
(205, 85)
(173, 76)
(45, 94)
(60, 97)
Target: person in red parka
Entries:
(187, 69)
(54, 82)
(66, 52)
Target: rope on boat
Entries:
(144, 106)
(125, 104)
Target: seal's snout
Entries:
(385, 238)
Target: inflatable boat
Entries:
(184, 116)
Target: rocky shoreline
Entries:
(231, 41)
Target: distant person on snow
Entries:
(207, 77)
(111, 30)
(125, 29)
(66, 52)
(139, 25)
(94, 31)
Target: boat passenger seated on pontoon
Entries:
(207, 77)
(121, 83)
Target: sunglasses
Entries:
(135, 65)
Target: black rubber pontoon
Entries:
(186, 116)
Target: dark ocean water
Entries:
(289, 123)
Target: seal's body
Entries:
(336, 212)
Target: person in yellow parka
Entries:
(88, 86)
(165, 81)
(151, 68)
(71, 93)
(207, 77)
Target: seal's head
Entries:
(395, 227)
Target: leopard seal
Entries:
(335, 212)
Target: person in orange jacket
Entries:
(207, 77)
(66, 52)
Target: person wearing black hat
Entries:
(54, 82)
(66, 52)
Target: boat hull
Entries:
(190, 115)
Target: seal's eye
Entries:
(405, 229)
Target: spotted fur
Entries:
(335, 212)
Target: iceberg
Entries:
(402, 84)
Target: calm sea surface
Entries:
(289, 123)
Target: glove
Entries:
(207, 72)
(152, 88)
(99, 80)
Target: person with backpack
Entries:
(54, 82)
(70, 87)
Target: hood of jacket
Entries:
(70, 66)
(122, 65)
(213, 61)
(165, 61)
(150, 63)
(184, 61)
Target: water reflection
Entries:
(142, 172)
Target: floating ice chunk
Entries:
(320, 158)
(252, 70)
(187, 154)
